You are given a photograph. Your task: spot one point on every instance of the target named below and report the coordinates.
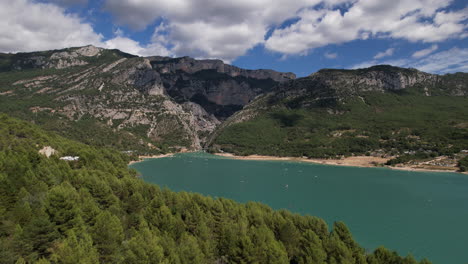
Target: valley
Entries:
(233, 132)
(154, 105)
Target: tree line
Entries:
(96, 210)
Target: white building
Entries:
(70, 158)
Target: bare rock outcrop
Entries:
(169, 65)
(47, 151)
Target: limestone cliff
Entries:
(178, 103)
(330, 85)
(327, 88)
(164, 101)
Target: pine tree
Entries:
(62, 206)
(108, 235)
(75, 249)
(143, 248)
(38, 235)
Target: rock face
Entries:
(167, 65)
(65, 59)
(219, 88)
(327, 87)
(334, 85)
(174, 101)
(378, 78)
(179, 102)
(57, 59)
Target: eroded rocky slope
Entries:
(328, 87)
(154, 104)
(382, 111)
(157, 101)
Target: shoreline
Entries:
(143, 158)
(355, 161)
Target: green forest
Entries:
(385, 123)
(96, 210)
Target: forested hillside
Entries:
(95, 210)
(381, 111)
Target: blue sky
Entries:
(301, 36)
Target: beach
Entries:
(354, 161)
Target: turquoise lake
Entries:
(422, 213)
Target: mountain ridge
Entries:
(155, 104)
(154, 98)
(382, 111)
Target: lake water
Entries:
(425, 214)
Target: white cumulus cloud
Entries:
(416, 20)
(31, 26)
(27, 25)
(228, 29)
(130, 46)
(211, 29)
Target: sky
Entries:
(300, 36)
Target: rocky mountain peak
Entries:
(380, 78)
(72, 57)
(376, 78)
(59, 59)
(334, 85)
(190, 65)
(87, 51)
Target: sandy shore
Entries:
(142, 158)
(427, 169)
(356, 161)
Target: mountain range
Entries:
(150, 105)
